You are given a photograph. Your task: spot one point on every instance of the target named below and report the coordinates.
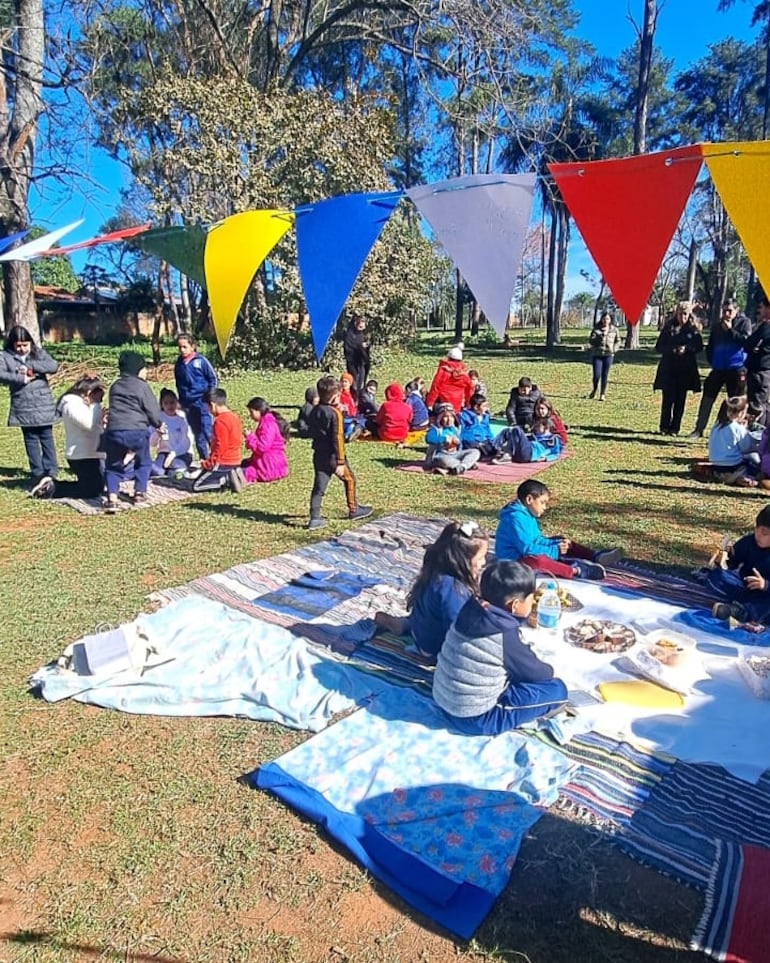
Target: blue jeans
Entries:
(601, 368)
(521, 702)
(728, 586)
(117, 444)
(41, 450)
(201, 424)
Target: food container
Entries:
(755, 670)
(672, 649)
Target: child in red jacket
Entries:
(394, 415)
(222, 469)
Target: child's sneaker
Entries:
(316, 523)
(139, 498)
(608, 556)
(591, 571)
(40, 488)
(363, 511)
(111, 508)
(237, 480)
(729, 610)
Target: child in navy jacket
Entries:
(194, 377)
(744, 587)
(487, 680)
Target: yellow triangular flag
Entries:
(235, 248)
(741, 174)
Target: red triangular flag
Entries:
(627, 211)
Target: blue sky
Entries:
(685, 29)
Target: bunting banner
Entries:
(741, 175)
(627, 211)
(6, 242)
(31, 250)
(122, 235)
(235, 249)
(334, 238)
(481, 221)
(182, 247)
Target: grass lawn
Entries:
(131, 838)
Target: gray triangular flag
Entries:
(482, 220)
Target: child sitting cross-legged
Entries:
(546, 446)
(444, 453)
(222, 469)
(475, 429)
(519, 538)
(415, 398)
(732, 447)
(267, 444)
(487, 680)
(174, 446)
(394, 416)
(544, 409)
(520, 409)
(448, 578)
(744, 587)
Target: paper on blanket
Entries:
(226, 664)
(713, 724)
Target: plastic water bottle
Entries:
(549, 608)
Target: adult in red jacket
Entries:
(394, 415)
(451, 383)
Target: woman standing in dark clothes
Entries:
(356, 348)
(678, 344)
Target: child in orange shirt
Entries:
(222, 469)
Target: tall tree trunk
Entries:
(646, 40)
(20, 108)
(550, 321)
(692, 266)
(561, 267)
(458, 306)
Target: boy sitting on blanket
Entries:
(487, 680)
(519, 538)
(744, 586)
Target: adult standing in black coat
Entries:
(758, 364)
(679, 343)
(356, 348)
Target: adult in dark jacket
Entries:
(25, 367)
(356, 348)
(133, 409)
(726, 353)
(758, 365)
(679, 343)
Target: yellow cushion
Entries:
(641, 693)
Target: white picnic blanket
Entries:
(721, 722)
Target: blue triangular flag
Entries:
(6, 242)
(334, 238)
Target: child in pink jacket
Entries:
(267, 444)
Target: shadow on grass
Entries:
(82, 950)
(248, 514)
(13, 477)
(719, 491)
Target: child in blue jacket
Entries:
(194, 376)
(475, 429)
(519, 538)
(444, 453)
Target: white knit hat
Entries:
(455, 354)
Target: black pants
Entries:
(214, 480)
(90, 479)
(733, 379)
(672, 409)
(758, 391)
(323, 475)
